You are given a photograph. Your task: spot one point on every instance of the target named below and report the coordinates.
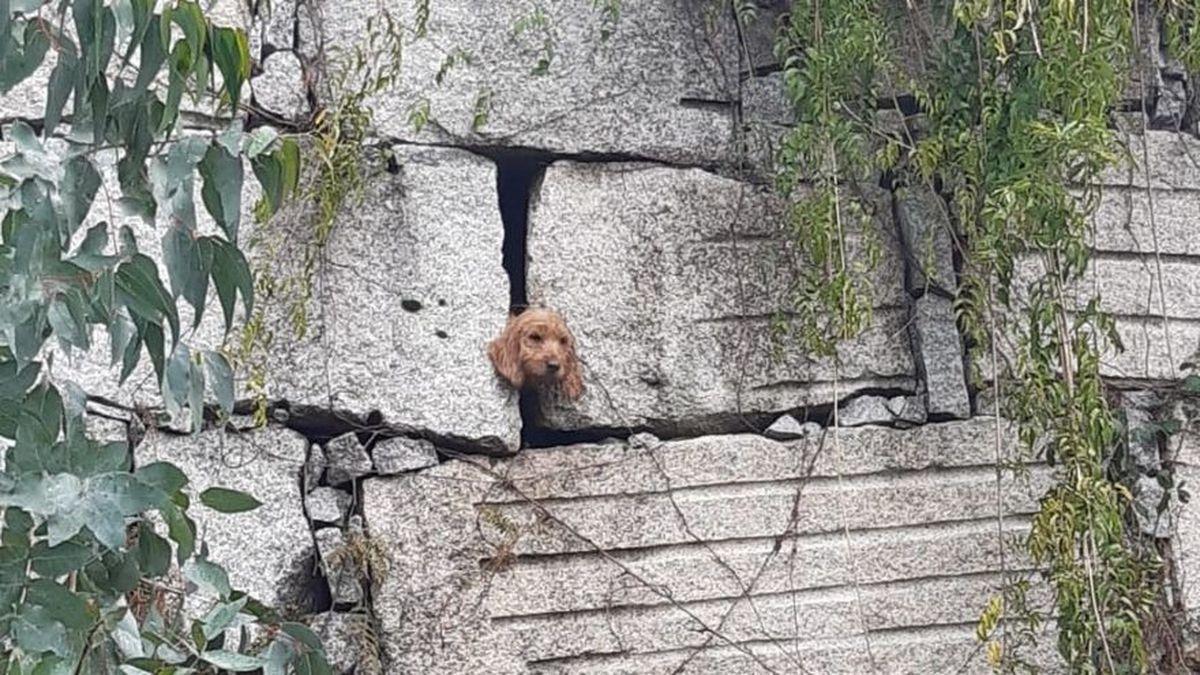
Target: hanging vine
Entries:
(1016, 128)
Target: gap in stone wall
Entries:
(518, 174)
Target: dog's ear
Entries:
(505, 353)
(572, 375)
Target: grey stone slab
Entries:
(266, 551)
(925, 227)
(937, 349)
(411, 292)
(281, 88)
(567, 558)
(429, 605)
(662, 86)
(786, 428)
(868, 409)
(669, 279)
(1173, 162)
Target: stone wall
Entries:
(705, 507)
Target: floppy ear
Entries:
(572, 376)
(505, 353)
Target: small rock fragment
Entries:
(346, 459)
(785, 428)
(865, 410)
(327, 504)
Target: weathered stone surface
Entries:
(937, 348)
(346, 639)
(265, 550)
(669, 279)
(661, 87)
(327, 504)
(275, 26)
(411, 292)
(429, 605)
(925, 227)
(1123, 221)
(346, 459)
(1174, 162)
(280, 87)
(480, 579)
(400, 454)
(764, 100)
(340, 566)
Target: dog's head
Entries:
(537, 350)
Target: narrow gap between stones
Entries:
(710, 425)
(316, 585)
(518, 175)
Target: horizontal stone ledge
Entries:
(619, 468)
(726, 512)
(700, 571)
(815, 615)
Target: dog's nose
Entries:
(552, 366)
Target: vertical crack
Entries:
(518, 176)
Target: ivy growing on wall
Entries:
(1016, 125)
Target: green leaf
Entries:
(62, 81)
(61, 605)
(187, 269)
(231, 275)
(220, 380)
(142, 291)
(209, 576)
(190, 18)
(1191, 384)
(162, 475)
(19, 63)
(238, 663)
(35, 631)
(153, 553)
(195, 398)
(231, 52)
(181, 529)
(228, 501)
(259, 140)
(78, 189)
(219, 618)
(223, 176)
(303, 634)
(55, 561)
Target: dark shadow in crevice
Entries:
(535, 434)
(518, 177)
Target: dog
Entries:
(537, 351)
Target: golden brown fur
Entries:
(537, 350)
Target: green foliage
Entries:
(77, 529)
(1016, 130)
(831, 52)
(338, 150)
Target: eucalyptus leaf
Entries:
(226, 500)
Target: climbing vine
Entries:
(1015, 129)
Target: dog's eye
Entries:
(536, 337)
(562, 341)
